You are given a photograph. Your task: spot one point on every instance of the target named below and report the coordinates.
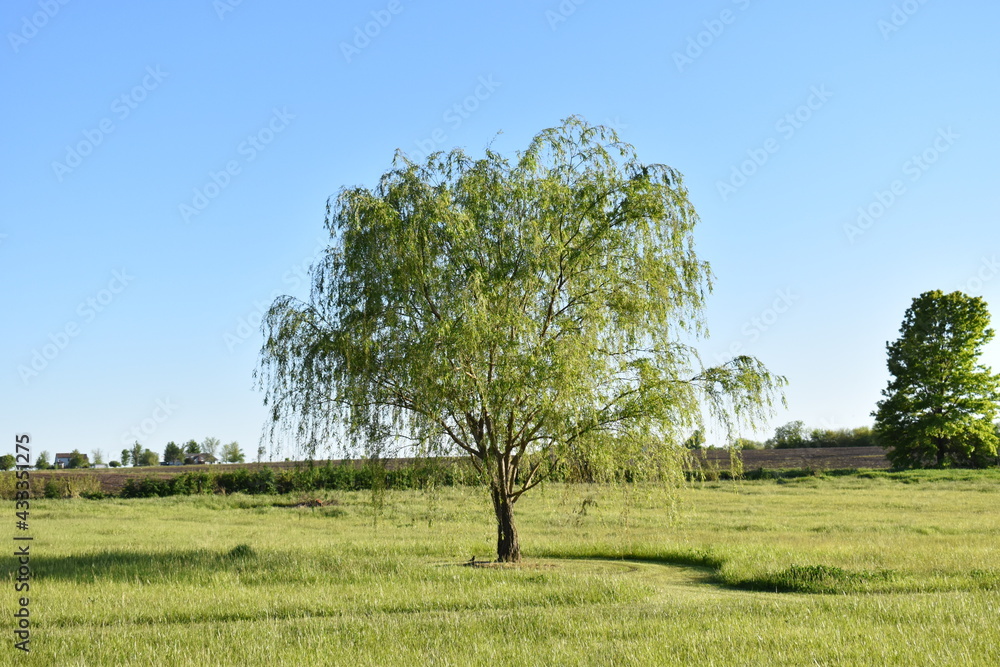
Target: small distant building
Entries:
(200, 459)
(62, 460)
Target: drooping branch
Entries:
(524, 313)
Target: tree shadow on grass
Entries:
(140, 566)
(700, 568)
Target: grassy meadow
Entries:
(876, 568)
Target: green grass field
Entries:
(878, 569)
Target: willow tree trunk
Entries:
(508, 546)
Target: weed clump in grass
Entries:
(241, 552)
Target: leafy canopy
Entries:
(499, 307)
(77, 459)
(173, 452)
(530, 313)
(940, 404)
(148, 458)
(232, 453)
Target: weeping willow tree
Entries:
(527, 313)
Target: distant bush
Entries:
(71, 486)
(77, 460)
(844, 437)
(242, 480)
(147, 487)
(745, 443)
(53, 489)
(193, 483)
(793, 435)
(42, 462)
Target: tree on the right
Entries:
(941, 403)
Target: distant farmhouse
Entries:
(62, 460)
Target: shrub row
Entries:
(335, 477)
(350, 477)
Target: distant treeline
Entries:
(844, 437)
(794, 435)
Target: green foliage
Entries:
(941, 403)
(341, 477)
(696, 440)
(261, 480)
(147, 487)
(173, 453)
(71, 486)
(149, 458)
(790, 435)
(114, 464)
(191, 483)
(126, 457)
(77, 460)
(209, 445)
(53, 489)
(7, 461)
(136, 454)
(862, 436)
(794, 435)
(376, 473)
(746, 443)
(42, 461)
(700, 468)
(232, 453)
(735, 461)
(530, 313)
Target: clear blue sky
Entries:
(786, 119)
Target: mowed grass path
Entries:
(887, 570)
